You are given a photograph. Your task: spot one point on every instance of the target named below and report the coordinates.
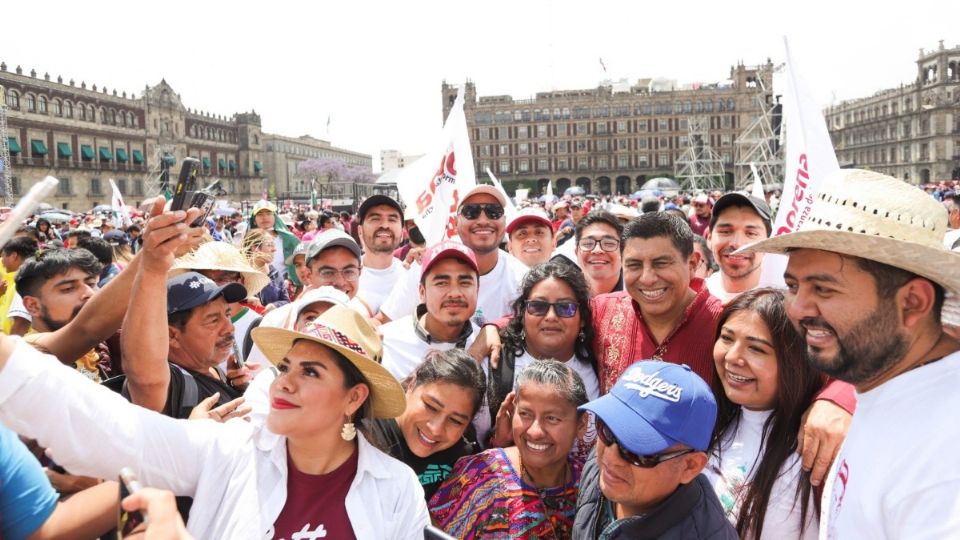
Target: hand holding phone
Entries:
(131, 521)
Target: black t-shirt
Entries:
(431, 470)
(179, 399)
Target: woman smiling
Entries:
(528, 490)
(762, 386)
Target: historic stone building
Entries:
(85, 136)
(910, 132)
(608, 139)
(283, 156)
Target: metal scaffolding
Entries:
(760, 143)
(699, 168)
(5, 192)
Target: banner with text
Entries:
(434, 184)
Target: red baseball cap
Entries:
(529, 214)
(445, 250)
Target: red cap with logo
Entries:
(444, 250)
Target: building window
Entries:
(601, 128)
(504, 150)
(621, 126)
(581, 128)
(623, 144)
(122, 186)
(42, 105)
(103, 115)
(542, 148)
(484, 165)
(603, 162)
(485, 150)
(67, 109)
(504, 165)
(684, 123)
(503, 133)
(57, 108)
(562, 164)
(562, 147)
(601, 145)
(663, 124)
(643, 161)
(524, 149)
(581, 146)
(13, 99)
(65, 186)
(663, 160)
(31, 103)
(684, 142)
(642, 125)
(95, 186)
(542, 164)
(138, 187)
(664, 142)
(725, 139)
(541, 130)
(524, 165)
(522, 132)
(561, 130)
(725, 121)
(642, 144)
(583, 163)
(623, 161)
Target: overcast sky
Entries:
(375, 68)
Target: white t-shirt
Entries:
(896, 475)
(715, 286)
(482, 421)
(951, 236)
(404, 350)
(498, 289)
(375, 283)
(17, 309)
(741, 449)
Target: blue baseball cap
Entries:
(192, 289)
(656, 405)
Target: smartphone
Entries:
(129, 522)
(186, 182)
(204, 201)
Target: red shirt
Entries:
(623, 338)
(316, 503)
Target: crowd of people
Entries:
(587, 368)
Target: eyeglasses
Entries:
(472, 211)
(350, 273)
(644, 462)
(539, 308)
(607, 243)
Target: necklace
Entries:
(541, 494)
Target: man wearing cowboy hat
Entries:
(866, 279)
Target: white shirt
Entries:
(715, 285)
(376, 283)
(742, 449)
(951, 236)
(404, 350)
(498, 289)
(236, 472)
(17, 309)
(896, 476)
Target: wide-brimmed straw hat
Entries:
(876, 217)
(224, 257)
(345, 331)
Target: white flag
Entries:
(809, 158)
(434, 184)
(550, 195)
(121, 218)
(511, 209)
(757, 183)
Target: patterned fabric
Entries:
(485, 497)
(334, 336)
(690, 343)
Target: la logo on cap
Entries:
(649, 384)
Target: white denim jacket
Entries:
(236, 472)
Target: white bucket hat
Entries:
(876, 217)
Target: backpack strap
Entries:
(191, 392)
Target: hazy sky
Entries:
(376, 67)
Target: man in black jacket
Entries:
(643, 479)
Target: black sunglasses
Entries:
(644, 462)
(539, 308)
(472, 211)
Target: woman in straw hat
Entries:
(304, 471)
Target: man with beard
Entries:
(480, 224)
(380, 220)
(866, 280)
(54, 286)
(448, 297)
(737, 220)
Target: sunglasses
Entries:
(644, 462)
(539, 308)
(472, 211)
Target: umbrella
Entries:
(56, 217)
(663, 183)
(44, 206)
(102, 208)
(574, 191)
(638, 195)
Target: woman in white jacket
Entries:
(304, 472)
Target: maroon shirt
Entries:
(316, 503)
(690, 343)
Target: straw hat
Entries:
(875, 217)
(345, 331)
(225, 257)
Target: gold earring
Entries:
(349, 432)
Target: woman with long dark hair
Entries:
(551, 320)
(763, 385)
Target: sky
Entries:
(375, 68)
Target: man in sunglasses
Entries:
(480, 224)
(643, 479)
